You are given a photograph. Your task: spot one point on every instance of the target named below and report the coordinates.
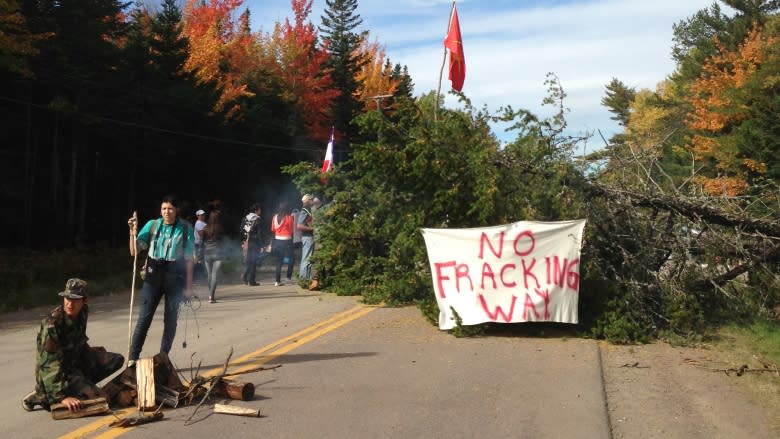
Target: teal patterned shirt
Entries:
(168, 242)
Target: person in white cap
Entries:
(200, 225)
(304, 225)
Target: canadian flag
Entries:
(326, 165)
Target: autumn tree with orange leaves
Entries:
(731, 140)
(375, 77)
(222, 52)
(292, 54)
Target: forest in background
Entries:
(105, 103)
(106, 106)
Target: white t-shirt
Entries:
(199, 225)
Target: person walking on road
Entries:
(66, 366)
(306, 228)
(282, 227)
(200, 225)
(168, 273)
(250, 243)
(213, 252)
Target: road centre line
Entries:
(248, 361)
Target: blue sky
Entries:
(510, 45)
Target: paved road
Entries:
(348, 371)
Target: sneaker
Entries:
(33, 399)
(253, 284)
(212, 300)
(278, 284)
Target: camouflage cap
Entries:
(75, 289)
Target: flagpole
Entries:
(443, 61)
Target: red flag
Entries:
(454, 43)
(328, 154)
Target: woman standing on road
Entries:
(213, 251)
(282, 226)
(168, 272)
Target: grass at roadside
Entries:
(756, 345)
(33, 278)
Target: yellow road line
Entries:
(248, 361)
(289, 338)
(91, 427)
(300, 342)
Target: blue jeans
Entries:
(173, 290)
(250, 262)
(212, 269)
(283, 250)
(307, 249)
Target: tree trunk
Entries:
(29, 173)
(74, 157)
(55, 163)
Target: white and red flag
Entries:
(328, 163)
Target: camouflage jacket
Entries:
(62, 346)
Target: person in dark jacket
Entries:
(251, 243)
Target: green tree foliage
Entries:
(405, 84)
(694, 38)
(702, 136)
(339, 30)
(618, 100)
(433, 168)
(369, 241)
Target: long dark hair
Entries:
(214, 226)
(283, 209)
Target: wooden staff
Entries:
(134, 235)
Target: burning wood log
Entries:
(89, 407)
(239, 411)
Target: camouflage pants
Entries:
(94, 367)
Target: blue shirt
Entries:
(167, 243)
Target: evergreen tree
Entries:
(170, 46)
(405, 83)
(618, 100)
(339, 25)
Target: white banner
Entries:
(527, 271)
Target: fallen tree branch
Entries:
(691, 210)
(739, 371)
(211, 381)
